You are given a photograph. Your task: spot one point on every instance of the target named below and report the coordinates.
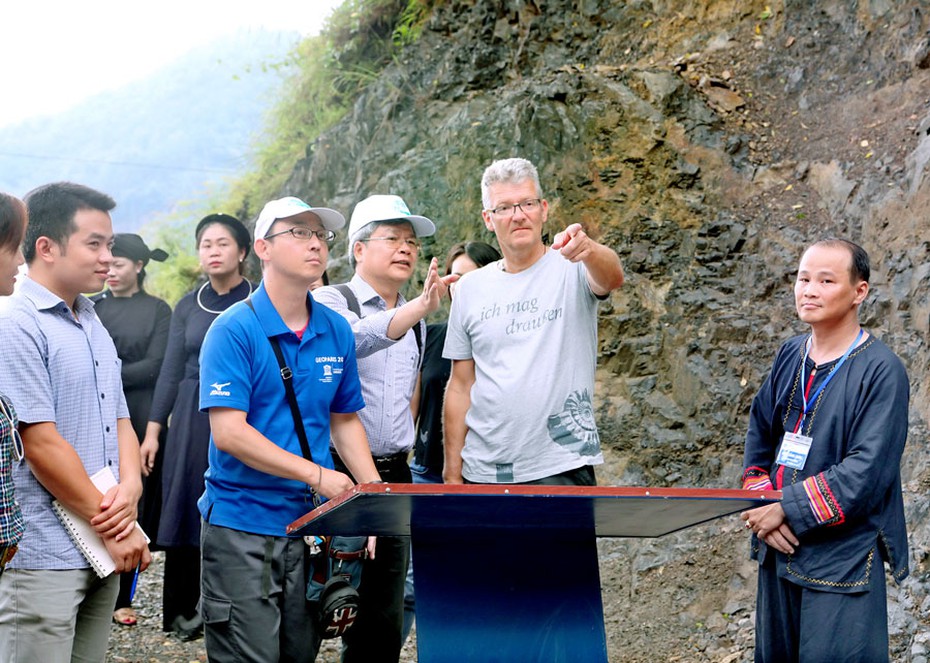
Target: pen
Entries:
(135, 580)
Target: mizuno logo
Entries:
(219, 389)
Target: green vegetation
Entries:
(360, 39)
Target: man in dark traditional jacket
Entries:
(828, 428)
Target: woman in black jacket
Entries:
(138, 324)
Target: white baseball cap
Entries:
(291, 206)
(382, 207)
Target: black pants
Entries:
(376, 635)
(181, 589)
(796, 624)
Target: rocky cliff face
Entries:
(708, 143)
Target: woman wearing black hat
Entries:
(223, 243)
(138, 323)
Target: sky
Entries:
(55, 53)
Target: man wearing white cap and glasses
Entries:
(267, 462)
(389, 332)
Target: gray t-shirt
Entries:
(533, 338)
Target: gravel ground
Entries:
(147, 643)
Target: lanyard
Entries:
(813, 398)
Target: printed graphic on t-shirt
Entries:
(521, 316)
(332, 366)
(574, 427)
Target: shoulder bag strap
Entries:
(352, 303)
(287, 377)
(351, 299)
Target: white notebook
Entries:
(83, 534)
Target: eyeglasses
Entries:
(528, 207)
(18, 452)
(305, 234)
(395, 242)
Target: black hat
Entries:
(130, 245)
(239, 232)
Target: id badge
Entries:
(794, 450)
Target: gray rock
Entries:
(709, 206)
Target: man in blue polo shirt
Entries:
(259, 480)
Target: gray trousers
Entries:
(253, 598)
(55, 616)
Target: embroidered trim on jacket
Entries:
(831, 583)
(755, 478)
(823, 504)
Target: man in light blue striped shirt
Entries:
(62, 373)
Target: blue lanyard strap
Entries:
(807, 349)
